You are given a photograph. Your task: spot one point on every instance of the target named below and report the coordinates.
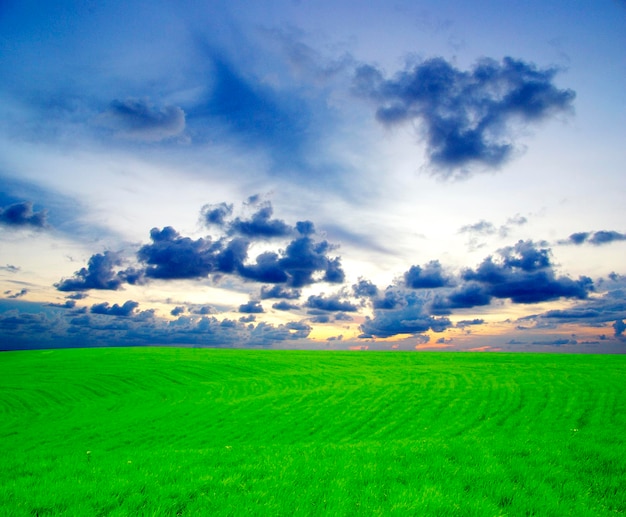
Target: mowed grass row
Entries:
(166, 431)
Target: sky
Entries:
(381, 175)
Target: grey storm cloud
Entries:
(465, 116)
(138, 120)
(22, 215)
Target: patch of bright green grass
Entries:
(154, 431)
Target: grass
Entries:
(164, 431)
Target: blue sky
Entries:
(292, 174)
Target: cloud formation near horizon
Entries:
(465, 116)
(303, 261)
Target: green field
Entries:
(166, 431)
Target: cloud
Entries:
(481, 228)
(171, 256)
(277, 291)
(216, 214)
(619, 326)
(304, 261)
(19, 294)
(407, 315)
(431, 276)
(115, 310)
(138, 120)
(22, 215)
(285, 306)
(99, 274)
(364, 289)
(466, 323)
(525, 274)
(10, 268)
(251, 307)
(32, 325)
(261, 225)
(465, 116)
(330, 303)
(598, 311)
(178, 310)
(471, 294)
(596, 238)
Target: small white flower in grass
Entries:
(88, 455)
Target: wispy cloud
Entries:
(21, 215)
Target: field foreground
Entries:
(165, 431)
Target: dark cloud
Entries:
(202, 310)
(138, 120)
(178, 310)
(19, 294)
(216, 214)
(431, 276)
(10, 268)
(305, 228)
(172, 256)
(304, 257)
(556, 342)
(525, 274)
(596, 238)
(114, 310)
(619, 326)
(285, 306)
(33, 325)
(68, 304)
(364, 289)
(467, 323)
(277, 291)
(251, 307)
(22, 215)
(99, 274)
(407, 315)
(267, 268)
(261, 225)
(465, 116)
(330, 303)
(471, 294)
